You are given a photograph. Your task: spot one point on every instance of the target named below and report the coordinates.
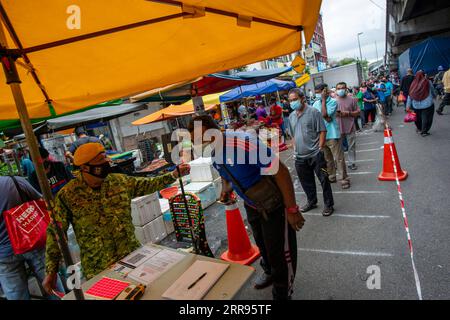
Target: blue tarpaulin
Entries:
(427, 56)
(256, 89)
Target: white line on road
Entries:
(367, 144)
(355, 216)
(367, 160)
(369, 150)
(360, 173)
(349, 192)
(352, 253)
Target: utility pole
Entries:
(359, 44)
(376, 49)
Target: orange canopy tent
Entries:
(169, 113)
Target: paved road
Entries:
(367, 228)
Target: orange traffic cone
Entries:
(388, 173)
(240, 250)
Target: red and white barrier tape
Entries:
(405, 217)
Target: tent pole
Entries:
(12, 78)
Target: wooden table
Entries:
(225, 289)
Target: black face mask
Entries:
(100, 171)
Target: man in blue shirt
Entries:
(241, 165)
(334, 154)
(388, 95)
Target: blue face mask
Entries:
(318, 96)
(295, 105)
(341, 93)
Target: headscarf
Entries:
(420, 87)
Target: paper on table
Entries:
(179, 289)
(151, 269)
(135, 259)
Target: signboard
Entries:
(310, 57)
(321, 66)
(316, 47)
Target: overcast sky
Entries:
(344, 19)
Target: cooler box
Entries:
(202, 170)
(167, 216)
(152, 232)
(204, 190)
(145, 209)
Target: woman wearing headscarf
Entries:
(421, 95)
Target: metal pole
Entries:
(12, 78)
(359, 44)
(376, 49)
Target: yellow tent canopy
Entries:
(207, 100)
(171, 112)
(79, 53)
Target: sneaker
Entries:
(264, 280)
(426, 134)
(353, 167)
(308, 207)
(345, 184)
(328, 212)
(439, 112)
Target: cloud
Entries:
(344, 19)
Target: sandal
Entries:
(346, 185)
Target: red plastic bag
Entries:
(27, 224)
(410, 117)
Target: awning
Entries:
(107, 49)
(257, 89)
(169, 113)
(86, 117)
(206, 85)
(94, 115)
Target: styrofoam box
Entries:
(202, 170)
(145, 209)
(167, 216)
(218, 187)
(152, 232)
(204, 190)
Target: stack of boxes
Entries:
(148, 220)
(205, 181)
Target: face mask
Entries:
(318, 96)
(341, 92)
(100, 171)
(295, 105)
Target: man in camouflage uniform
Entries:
(97, 204)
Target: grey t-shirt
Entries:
(10, 198)
(307, 128)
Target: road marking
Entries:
(351, 253)
(367, 144)
(369, 150)
(360, 173)
(367, 160)
(355, 216)
(349, 192)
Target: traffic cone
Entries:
(388, 173)
(240, 250)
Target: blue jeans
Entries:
(13, 275)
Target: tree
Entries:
(346, 61)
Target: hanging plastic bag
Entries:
(27, 223)
(410, 117)
(401, 98)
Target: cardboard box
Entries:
(145, 209)
(168, 222)
(202, 170)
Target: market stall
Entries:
(39, 51)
